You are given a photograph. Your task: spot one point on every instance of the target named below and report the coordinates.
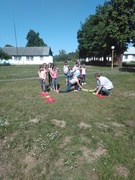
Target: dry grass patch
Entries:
(91, 156)
(34, 121)
(66, 141)
(117, 124)
(128, 94)
(58, 123)
(83, 125)
(121, 171)
(101, 125)
(30, 162)
(131, 123)
(85, 139)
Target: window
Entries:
(29, 58)
(16, 58)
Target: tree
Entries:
(8, 45)
(112, 25)
(120, 26)
(64, 56)
(91, 37)
(4, 55)
(34, 40)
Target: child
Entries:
(69, 73)
(65, 70)
(49, 75)
(42, 78)
(74, 81)
(83, 74)
(54, 75)
(104, 85)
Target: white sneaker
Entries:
(82, 84)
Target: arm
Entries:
(100, 87)
(79, 85)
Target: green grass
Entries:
(78, 137)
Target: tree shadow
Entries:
(127, 69)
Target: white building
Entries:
(129, 55)
(29, 55)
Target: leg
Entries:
(44, 86)
(52, 84)
(56, 84)
(67, 89)
(84, 77)
(41, 84)
(106, 91)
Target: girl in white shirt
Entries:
(42, 78)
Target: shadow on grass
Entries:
(127, 69)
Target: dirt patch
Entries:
(3, 171)
(66, 140)
(84, 125)
(92, 156)
(128, 94)
(85, 139)
(59, 163)
(131, 123)
(99, 152)
(121, 171)
(117, 124)
(102, 126)
(34, 121)
(58, 123)
(30, 163)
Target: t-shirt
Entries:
(105, 82)
(74, 80)
(42, 74)
(83, 71)
(65, 69)
(77, 71)
(54, 73)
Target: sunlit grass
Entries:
(77, 137)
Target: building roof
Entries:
(28, 51)
(130, 50)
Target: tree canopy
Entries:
(34, 40)
(64, 56)
(113, 24)
(4, 55)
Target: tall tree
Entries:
(113, 24)
(34, 40)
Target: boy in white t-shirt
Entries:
(104, 85)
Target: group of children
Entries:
(48, 72)
(74, 77)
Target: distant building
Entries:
(29, 55)
(129, 55)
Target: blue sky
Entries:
(57, 21)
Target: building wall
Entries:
(31, 60)
(128, 58)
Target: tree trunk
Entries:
(104, 60)
(120, 62)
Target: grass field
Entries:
(78, 137)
